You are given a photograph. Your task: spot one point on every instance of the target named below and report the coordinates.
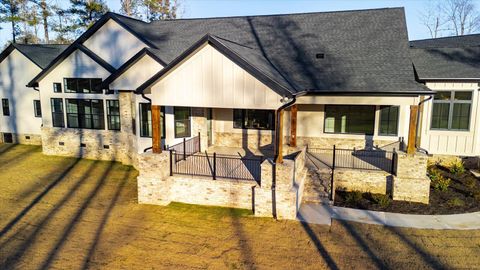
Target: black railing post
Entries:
(214, 166)
(184, 149)
(353, 158)
(171, 163)
(333, 174)
(394, 156)
(199, 142)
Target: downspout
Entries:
(417, 127)
(149, 100)
(276, 154)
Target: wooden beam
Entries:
(156, 129)
(293, 126)
(279, 127)
(412, 130)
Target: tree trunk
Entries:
(43, 5)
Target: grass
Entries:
(66, 213)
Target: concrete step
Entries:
(315, 214)
(318, 199)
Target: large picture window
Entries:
(182, 121)
(388, 121)
(5, 107)
(82, 85)
(113, 114)
(85, 113)
(58, 119)
(254, 119)
(349, 119)
(146, 120)
(451, 110)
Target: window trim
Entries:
(164, 132)
(349, 133)
(452, 102)
(77, 92)
(53, 113)
(243, 113)
(35, 108)
(380, 120)
(189, 120)
(107, 107)
(5, 109)
(91, 114)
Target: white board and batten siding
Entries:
(77, 65)
(15, 72)
(452, 142)
(137, 74)
(209, 79)
(114, 44)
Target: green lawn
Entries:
(67, 213)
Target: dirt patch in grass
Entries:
(460, 194)
(67, 213)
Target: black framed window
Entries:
(113, 114)
(5, 107)
(82, 85)
(57, 87)
(182, 121)
(58, 119)
(254, 119)
(349, 119)
(85, 113)
(146, 120)
(37, 109)
(451, 110)
(388, 120)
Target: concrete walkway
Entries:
(319, 214)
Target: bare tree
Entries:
(456, 17)
(130, 7)
(161, 9)
(432, 19)
(462, 16)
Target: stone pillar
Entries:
(153, 181)
(199, 125)
(411, 182)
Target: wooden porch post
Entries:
(280, 137)
(156, 129)
(293, 126)
(412, 130)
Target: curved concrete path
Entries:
(320, 214)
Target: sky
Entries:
(220, 8)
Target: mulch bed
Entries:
(459, 198)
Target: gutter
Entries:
(417, 127)
(149, 100)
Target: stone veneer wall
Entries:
(156, 186)
(322, 142)
(34, 139)
(252, 141)
(411, 182)
(362, 180)
(199, 125)
(121, 144)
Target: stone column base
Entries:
(411, 189)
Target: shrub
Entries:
(353, 197)
(456, 166)
(434, 174)
(381, 199)
(470, 183)
(439, 182)
(456, 202)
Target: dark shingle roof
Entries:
(40, 54)
(365, 51)
(447, 58)
(447, 42)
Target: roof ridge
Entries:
(449, 37)
(125, 16)
(281, 14)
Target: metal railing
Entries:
(186, 148)
(216, 166)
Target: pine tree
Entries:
(85, 13)
(10, 13)
(160, 9)
(130, 8)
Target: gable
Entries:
(78, 65)
(137, 74)
(15, 72)
(114, 44)
(210, 79)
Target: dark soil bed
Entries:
(462, 196)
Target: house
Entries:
(237, 100)
(21, 116)
(450, 66)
